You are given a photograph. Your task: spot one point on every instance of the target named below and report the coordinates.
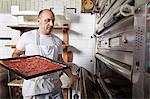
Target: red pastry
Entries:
(32, 65)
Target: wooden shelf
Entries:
(32, 27)
(12, 46)
(16, 83)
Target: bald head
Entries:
(45, 10)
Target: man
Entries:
(42, 42)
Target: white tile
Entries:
(72, 3)
(75, 34)
(84, 53)
(68, 3)
(58, 33)
(22, 5)
(87, 18)
(7, 19)
(5, 52)
(83, 60)
(5, 42)
(59, 3)
(79, 43)
(88, 52)
(74, 18)
(78, 5)
(9, 33)
(91, 43)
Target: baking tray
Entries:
(31, 66)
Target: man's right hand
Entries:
(17, 53)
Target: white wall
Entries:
(7, 19)
(81, 29)
(81, 39)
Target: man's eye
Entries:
(48, 20)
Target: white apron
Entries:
(44, 84)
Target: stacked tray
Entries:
(32, 66)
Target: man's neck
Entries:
(44, 33)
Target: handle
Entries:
(76, 96)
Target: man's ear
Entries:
(38, 21)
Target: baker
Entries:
(42, 42)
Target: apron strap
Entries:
(37, 38)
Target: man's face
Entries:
(46, 22)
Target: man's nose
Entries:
(51, 23)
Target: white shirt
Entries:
(45, 45)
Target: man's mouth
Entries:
(49, 28)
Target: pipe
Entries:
(124, 11)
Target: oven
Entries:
(114, 59)
(122, 64)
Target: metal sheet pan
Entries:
(28, 72)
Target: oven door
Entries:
(88, 85)
(112, 82)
